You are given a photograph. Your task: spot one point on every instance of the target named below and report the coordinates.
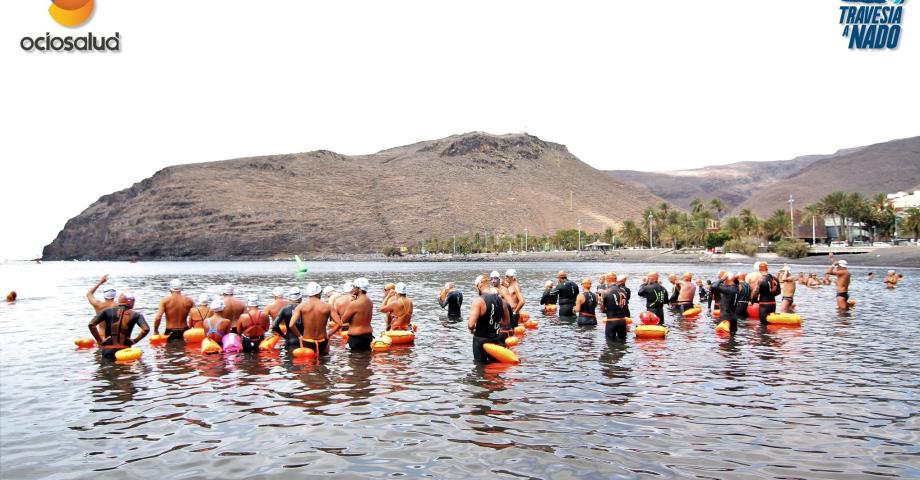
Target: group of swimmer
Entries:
(310, 318)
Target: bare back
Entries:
(687, 290)
(197, 315)
(274, 308)
(358, 315)
(515, 297)
(400, 310)
(176, 307)
(233, 308)
(314, 313)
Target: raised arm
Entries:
(91, 293)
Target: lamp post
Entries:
(650, 218)
(791, 218)
(579, 237)
(525, 239)
(812, 230)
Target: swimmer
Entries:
(388, 296)
(728, 300)
(686, 292)
(705, 292)
(11, 297)
(787, 284)
(233, 307)
(892, 279)
(341, 303)
(452, 299)
(839, 270)
(357, 317)
(871, 276)
(548, 297)
(586, 305)
(252, 325)
(310, 320)
(116, 323)
(802, 280)
(399, 309)
(768, 288)
(108, 295)
(489, 318)
(511, 293)
(621, 282)
(566, 291)
(495, 281)
(614, 306)
(216, 326)
(176, 307)
(329, 294)
(284, 318)
(744, 295)
(675, 292)
(655, 295)
(279, 302)
(202, 311)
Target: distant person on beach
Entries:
(233, 307)
(744, 295)
(768, 287)
(399, 310)
(655, 295)
(216, 326)
(116, 323)
(279, 302)
(284, 319)
(728, 299)
(787, 284)
(586, 305)
(614, 306)
(311, 319)
(687, 291)
(357, 317)
(892, 279)
(511, 293)
(839, 269)
(252, 325)
(451, 299)
(201, 311)
(489, 316)
(565, 291)
(176, 307)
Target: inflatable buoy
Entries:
(524, 317)
(128, 354)
(512, 341)
(269, 343)
(344, 335)
(628, 320)
(232, 343)
(193, 335)
(519, 330)
(158, 339)
(210, 346)
(549, 309)
(649, 318)
(692, 312)
(716, 313)
(785, 318)
(531, 324)
(283, 329)
(723, 327)
(303, 352)
(85, 342)
(651, 331)
(753, 310)
(381, 343)
(500, 353)
(400, 337)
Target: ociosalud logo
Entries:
(874, 25)
(71, 13)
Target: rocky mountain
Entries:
(324, 202)
(884, 167)
(732, 183)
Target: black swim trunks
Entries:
(175, 333)
(584, 321)
(515, 318)
(845, 295)
(359, 343)
(251, 344)
(479, 353)
(788, 298)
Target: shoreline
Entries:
(898, 257)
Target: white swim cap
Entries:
(278, 292)
(890, 272)
(252, 301)
(495, 274)
(362, 283)
(842, 263)
(401, 288)
(109, 294)
(478, 280)
(329, 289)
(129, 295)
(175, 285)
(228, 289)
(348, 286)
(217, 305)
(203, 299)
(313, 288)
(293, 293)
(510, 273)
(621, 277)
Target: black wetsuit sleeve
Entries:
(675, 294)
(443, 303)
(459, 300)
(276, 326)
(643, 290)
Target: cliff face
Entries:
(323, 202)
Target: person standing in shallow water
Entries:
(399, 310)
(565, 291)
(117, 323)
(839, 270)
(655, 295)
(176, 307)
(728, 300)
(586, 305)
(252, 325)
(452, 299)
(489, 316)
(357, 317)
(614, 306)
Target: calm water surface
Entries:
(837, 398)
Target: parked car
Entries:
(860, 243)
(881, 244)
(837, 244)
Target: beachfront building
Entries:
(902, 201)
(855, 231)
(810, 229)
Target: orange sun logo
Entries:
(71, 13)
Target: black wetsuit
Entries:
(548, 297)
(488, 327)
(567, 291)
(626, 291)
(706, 295)
(656, 296)
(615, 308)
(112, 317)
(675, 294)
(744, 298)
(767, 290)
(728, 303)
(291, 340)
(452, 302)
(586, 314)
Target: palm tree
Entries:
(749, 220)
(631, 233)
(697, 233)
(831, 205)
(672, 233)
(664, 209)
(912, 222)
(733, 227)
(778, 226)
(717, 205)
(696, 206)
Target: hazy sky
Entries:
(625, 85)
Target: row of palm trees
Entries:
(875, 212)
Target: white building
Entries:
(902, 200)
